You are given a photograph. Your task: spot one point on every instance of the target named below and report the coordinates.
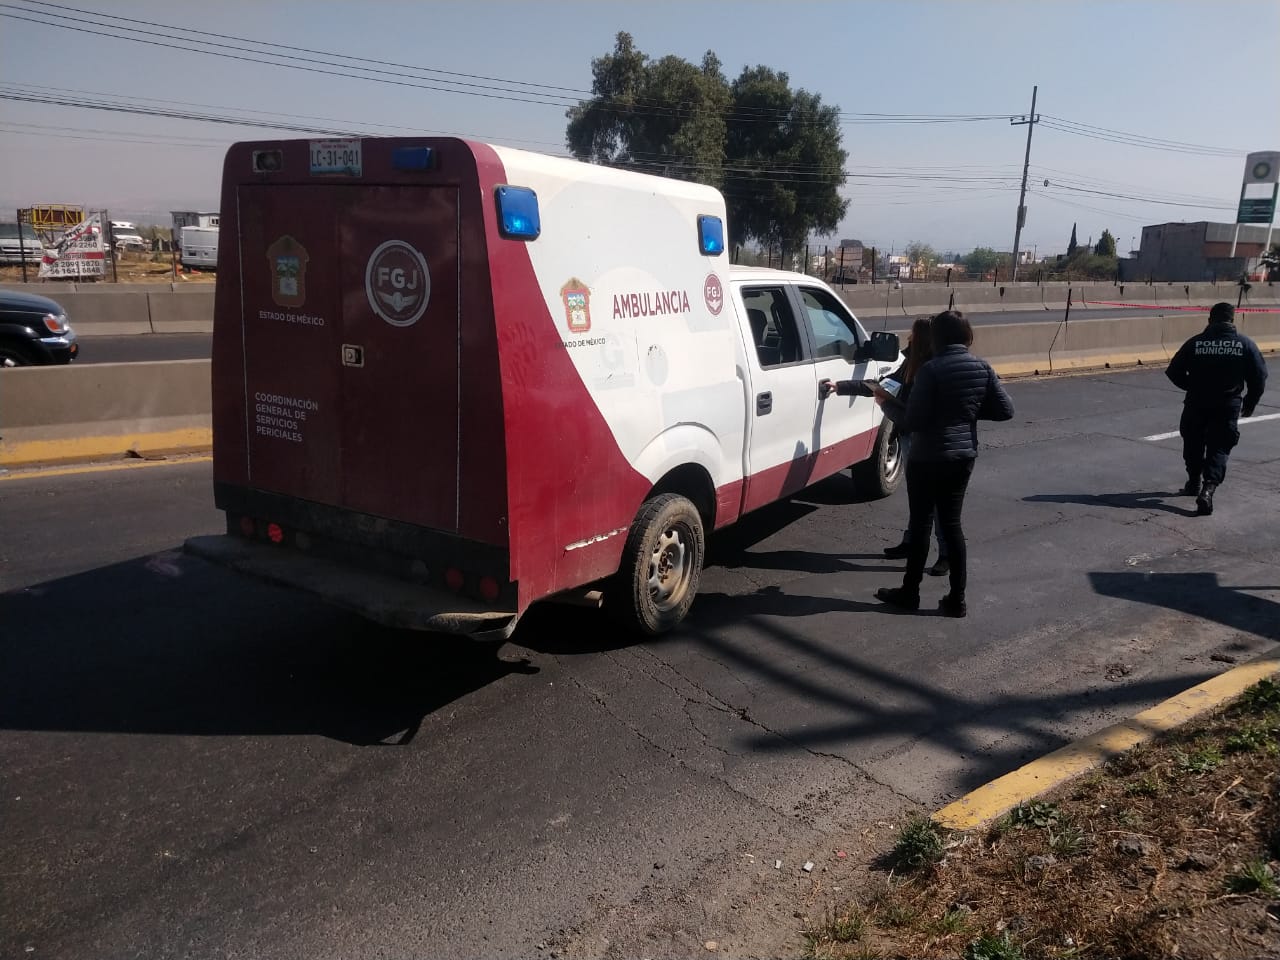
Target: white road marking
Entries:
(1244, 421)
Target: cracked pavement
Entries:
(196, 765)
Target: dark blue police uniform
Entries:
(1214, 367)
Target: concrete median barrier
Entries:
(182, 310)
(1123, 341)
(925, 300)
(1022, 297)
(1015, 349)
(97, 411)
(981, 299)
(107, 312)
(880, 300)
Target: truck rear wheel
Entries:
(661, 565)
(879, 475)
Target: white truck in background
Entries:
(199, 247)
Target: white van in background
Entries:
(200, 247)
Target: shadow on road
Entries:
(170, 645)
(1198, 594)
(1122, 501)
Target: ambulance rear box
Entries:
(452, 379)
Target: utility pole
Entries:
(1030, 120)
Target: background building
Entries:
(1196, 252)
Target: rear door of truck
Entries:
(351, 319)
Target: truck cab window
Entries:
(832, 326)
(773, 326)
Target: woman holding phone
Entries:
(949, 395)
(919, 352)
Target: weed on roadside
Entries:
(921, 843)
(992, 947)
(1147, 859)
(1255, 876)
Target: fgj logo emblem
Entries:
(577, 305)
(397, 283)
(713, 293)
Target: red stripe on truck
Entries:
(571, 493)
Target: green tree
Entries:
(981, 260)
(665, 117)
(774, 152)
(1073, 245)
(1106, 245)
(921, 256)
(784, 163)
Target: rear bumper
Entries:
(377, 597)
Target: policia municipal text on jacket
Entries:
(1214, 367)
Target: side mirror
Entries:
(851, 354)
(884, 346)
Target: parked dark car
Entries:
(34, 330)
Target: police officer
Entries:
(1214, 367)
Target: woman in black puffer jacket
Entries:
(950, 394)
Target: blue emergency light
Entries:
(710, 236)
(518, 213)
(411, 158)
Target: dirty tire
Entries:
(881, 473)
(661, 566)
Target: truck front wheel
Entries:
(661, 565)
(879, 475)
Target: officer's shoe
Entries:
(1204, 502)
(1191, 488)
(899, 597)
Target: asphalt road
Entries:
(197, 346)
(196, 765)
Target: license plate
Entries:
(335, 158)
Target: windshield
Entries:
(9, 231)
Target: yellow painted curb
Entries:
(44, 473)
(1000, 796)
(31, 452)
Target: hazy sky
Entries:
(1199, 73)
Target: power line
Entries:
(178, 40)
(1160, 142)
(1057, 175)
(1163, 203)
(120, 103)
(1149, 145)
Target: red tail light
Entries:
(275, 533)
(489, 589)
(453, 577)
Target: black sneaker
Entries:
(1190, 489)
(941, 568)
(898, 552)
(899, 597)
(953, 608)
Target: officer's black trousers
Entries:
(1208, 434)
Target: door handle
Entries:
(764, 403)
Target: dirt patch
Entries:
(1170, 850)
(130, 268)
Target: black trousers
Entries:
(1208, 435)
(937, 487)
